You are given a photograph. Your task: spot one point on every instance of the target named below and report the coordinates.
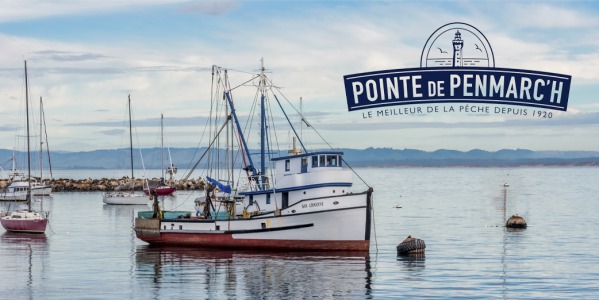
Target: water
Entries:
(90, 251)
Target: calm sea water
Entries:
(90, 251)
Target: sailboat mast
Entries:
(162, 144)
(28, 144)
(262, 126)
(130, 138)
(41, 141)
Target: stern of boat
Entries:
(147, 228)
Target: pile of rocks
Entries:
(107, 184)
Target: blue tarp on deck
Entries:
(222, 187)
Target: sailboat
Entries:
(26, 220)
(160, 187)
(128, 197)
(19, 183)
(301, 202)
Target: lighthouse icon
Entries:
(470, 48)
(458, 44)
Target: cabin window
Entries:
(267, 198)
(332, 160)
(314, 161)
(287, 165)
(304, 165)
(251, 199)
(321, 160)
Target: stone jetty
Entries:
(107, 184)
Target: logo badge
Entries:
(457, 65)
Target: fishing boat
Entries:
(17, 190)
(26, 220)
(128, 196)
(160, 187)
(296, 200)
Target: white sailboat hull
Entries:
(41, 191)
(124, 198)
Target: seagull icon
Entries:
(478, 48)
(441, 50)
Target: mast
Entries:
(130, 138)
(162, 144)
(41, 141)
(261, 86)
(28, 144)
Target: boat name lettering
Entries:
(317, 204)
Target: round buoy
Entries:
(410, 246)
(515, 221)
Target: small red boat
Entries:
(160, 188)
(24, 221)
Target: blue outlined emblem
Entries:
(457, 65)
(457, 45)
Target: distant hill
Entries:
(370, 157)
(476, 157)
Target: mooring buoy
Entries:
(410, 246)
(515, 221)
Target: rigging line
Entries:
(239, 85)
(376, 242)
(289, 121)
(273, 131)
(205, 125)
(321, 137)
(235, 70)
(239, 144)
(138, 146)
(47, 144)
(209, 146)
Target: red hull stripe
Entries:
(227, 241)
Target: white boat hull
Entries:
(121, 198)
(13, 196)
(330, 223)
(41, 191)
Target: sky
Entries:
(85, 57)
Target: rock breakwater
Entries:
(108, 184)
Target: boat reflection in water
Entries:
(33, 247)
(253, 275)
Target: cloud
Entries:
(35, 9)
(149, 122)
(552, 16)
(211, 8)
(63, 56)
(8, 128)
(112, 132)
